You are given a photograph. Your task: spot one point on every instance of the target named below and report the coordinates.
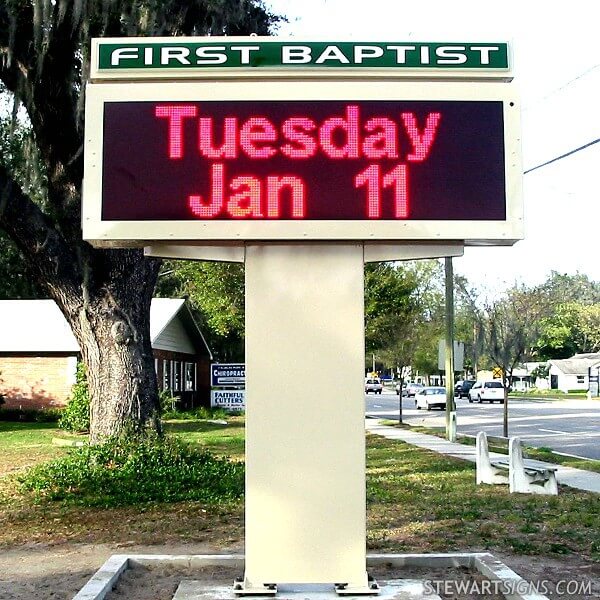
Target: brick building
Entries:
(38, 353)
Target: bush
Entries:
(31, 415)
(136, 469)
(197, 413)
(76, 416)
(167, 401)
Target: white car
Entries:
(373, 385)
(490, 391)
(429, 397)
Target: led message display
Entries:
(313, 160)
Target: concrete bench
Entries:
(522, 476)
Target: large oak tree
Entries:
(104, 294)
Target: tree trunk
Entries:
(505, 413)
(111, 323)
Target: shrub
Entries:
(136, 469)
(76, 415)
(197, 413)
(168, 402)
(31, 415)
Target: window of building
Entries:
(176, 375)
(166, 375)
(580, 378)
(190, 377)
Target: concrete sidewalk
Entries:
(576, 478)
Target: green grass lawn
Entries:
(418, 501)
(548, 395)
(26, 444)
(225, 440)
(421, 501)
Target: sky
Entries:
(556, 67)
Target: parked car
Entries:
(373, 385)
(490, 391)
(462, 387)
(412, 389)
(429, 397)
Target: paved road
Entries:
(568, 426)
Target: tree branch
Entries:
(48, 254)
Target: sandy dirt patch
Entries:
(57, 572)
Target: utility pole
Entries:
(450, 405)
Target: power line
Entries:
(548, 162)
(562, 87)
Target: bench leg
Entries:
(485, 471)
(523, 483)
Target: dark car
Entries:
(462, 388)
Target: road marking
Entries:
(554, 431)
(560, 416)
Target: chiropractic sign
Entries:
(292, 159)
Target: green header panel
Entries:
(197, 53)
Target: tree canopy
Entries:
(104, 294)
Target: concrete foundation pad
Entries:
(400, 589)
(512, 585)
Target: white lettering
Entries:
(451, 55)
(211, 55)
(295, 54)
(122, 54)
(148, 55)
(424, 55)
(332, 53)
(177, 53)
(484, 53)
(401, 53)
(245, 53)
(361, 52)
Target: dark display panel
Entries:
(304, 160)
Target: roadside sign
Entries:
(227, 375)
(232, 400)
(459, 355)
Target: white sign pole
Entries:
(305, 437)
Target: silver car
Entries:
(412, 389)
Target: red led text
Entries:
(404, 139)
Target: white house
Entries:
(573, 373)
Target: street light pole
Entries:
(450, 405)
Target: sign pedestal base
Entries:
(305, 456)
